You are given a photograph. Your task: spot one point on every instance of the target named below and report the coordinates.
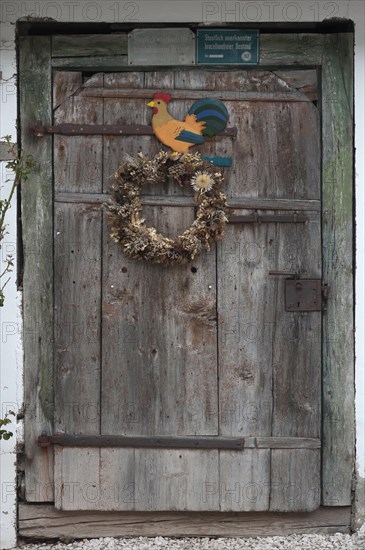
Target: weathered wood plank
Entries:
(78, 160)
(77, 479)
(286, 442)
(291, 49)
(252, 82)
(176, 480)
(223, 95)
(297, 346)
(77, 165)
(243, 85)
(95, 63)
(244, 481)
(86, 45)
(245, 392)
(65, 84)
(77, 318)
(275, 50)
(266, 151)
(295, 480)
(268, 357)
(133, 79)
(36, 104)
(130, 112)
(164, 323)
(238, 203)
(338, 349)
(296, 373)
(45, 522)
(306, 81)
(77, 341)
(152, 386)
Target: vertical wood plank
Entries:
(295, 481)
(77, 242)
(159, 370)
(270, 360)
(296, 355)
(117, 149)
(245, 314)
(296, 340)
(296, 364)
(77, 336)
(64, 85)
(36, 203)
(267, 145)
(244, 480)
(78, 159)
(338, 349)
(164, 321)
(177, 480)
(77, 318)
(77, 483)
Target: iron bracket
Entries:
(166, 442)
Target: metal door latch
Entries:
(303, 294)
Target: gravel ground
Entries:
(292, 542)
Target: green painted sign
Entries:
(227, 47)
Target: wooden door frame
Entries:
(333, 53)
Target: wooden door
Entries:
(201, 350)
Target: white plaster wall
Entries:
(360, 254)
(160, 11)
(11, 386)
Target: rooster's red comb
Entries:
(165, 97)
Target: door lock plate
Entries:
(303, 295)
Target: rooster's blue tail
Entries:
(213, 112)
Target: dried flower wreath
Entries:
(128, 227)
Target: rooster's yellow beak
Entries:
(150, 104)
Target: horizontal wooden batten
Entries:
(43, 521)
(93, 63)
(85, 45)
(283, 443)
(173, 200)
(164, 442)
(239, 95)
(268, 218)
(109, 51)
(107, 129)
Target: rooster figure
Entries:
(206, 117)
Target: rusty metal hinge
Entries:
(166, 442)
(40, 130)
(91, 129)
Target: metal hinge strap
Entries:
(167, 442)
(174, 442)
(105, 129)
